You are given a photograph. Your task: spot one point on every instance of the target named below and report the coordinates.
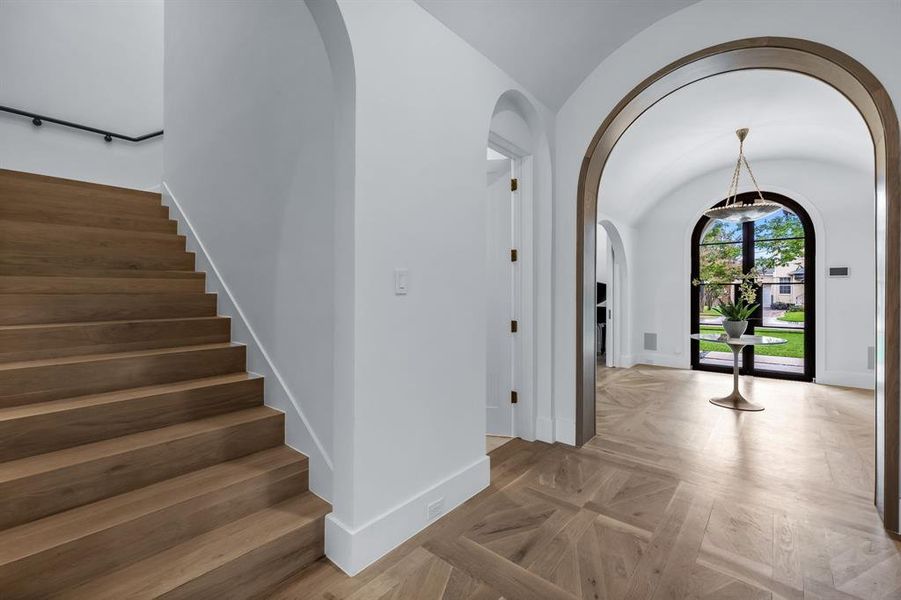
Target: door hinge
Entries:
(513, 398)
(514, 184)
(514, 255)
(514, 326)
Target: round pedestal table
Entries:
(735, 400)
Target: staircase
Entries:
(136, 457)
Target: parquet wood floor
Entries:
(674, 499)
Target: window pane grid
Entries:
(779, 239)
(720, 244)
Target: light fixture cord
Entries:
(732, 195)
(751, 173)
(733, 183)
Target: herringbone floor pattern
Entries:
(674, 499)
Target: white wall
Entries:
(424, 102)
(249, 162)
(98, 63)
(840, 202)
(865, 30)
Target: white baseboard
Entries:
(298, 433)
(674, 361)
(355, 549)
(856, 379)
(626, 361)
(565, 431)
(544, 430)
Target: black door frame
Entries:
(747, 367)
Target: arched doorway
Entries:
(617, 302)
(780, 249)
(870, 98)
(517, 224)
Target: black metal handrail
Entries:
(108, 136)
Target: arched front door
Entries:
(780, 250)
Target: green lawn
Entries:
(796, 316)
(793, 348)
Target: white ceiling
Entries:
(692, 133)
(549, 46)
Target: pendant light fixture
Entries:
(733, 210)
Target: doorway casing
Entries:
(523, 286)
(872, 100)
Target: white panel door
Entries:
(612, 289)
(499, 287)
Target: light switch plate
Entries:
(401, 282)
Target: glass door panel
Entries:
(781, 265)
(713, 354)
(785, 323)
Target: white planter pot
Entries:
(735, 329)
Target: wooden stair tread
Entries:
(75, 546)
(37, 178)
(89, 203)
(27, 308)
(45, 379)
(36, 341)
(176, 261)
(33, 326)
(55, 530)
(100, 357)
(87, 231)
(36, 238)
(135, 276)
(168, 571)
(100, 298)
(40, 284)
(53, 482)
(54, 271)
(52, 425)
(92, 249)
(27, 467)
(72, 216)
(13, 413)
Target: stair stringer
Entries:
(299, 434)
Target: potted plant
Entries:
(735, 316)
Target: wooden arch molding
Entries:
(871, 99)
